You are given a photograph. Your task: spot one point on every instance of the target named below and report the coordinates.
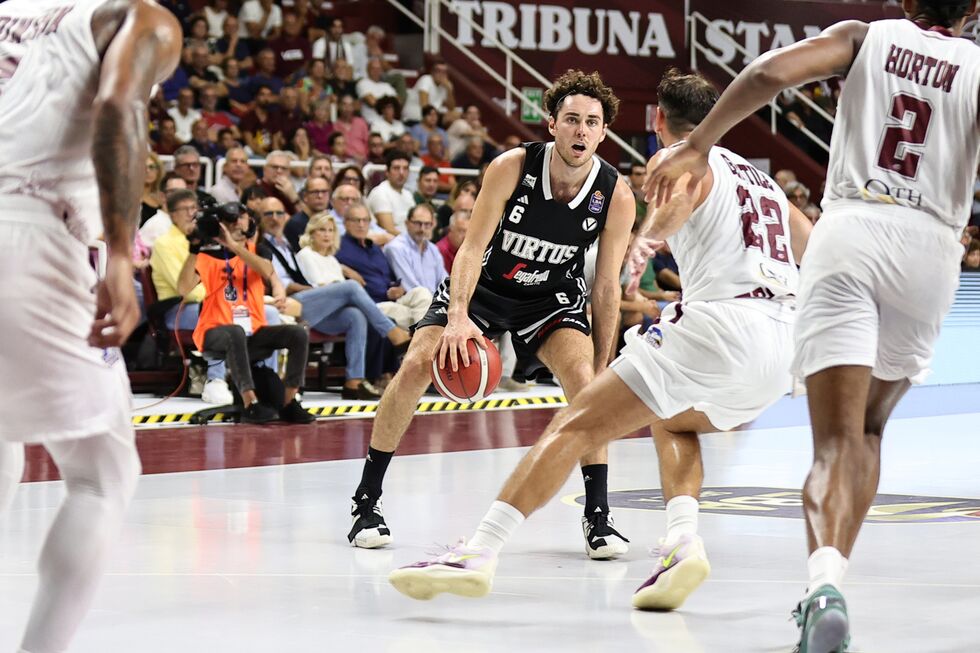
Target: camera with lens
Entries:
(207, 222)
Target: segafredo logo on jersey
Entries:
(785, 503)
(535, 249)
(527, 277)
(596, 202)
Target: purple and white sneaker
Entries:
(681, 567)
(462, 569)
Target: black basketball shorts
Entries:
(529, 320)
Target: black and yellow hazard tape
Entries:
(367, 410)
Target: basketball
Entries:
(474, 382)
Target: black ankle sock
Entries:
(595, 488)
(373, 476)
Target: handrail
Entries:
(365, 170)
(697, 47)
(434, 26)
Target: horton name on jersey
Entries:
(535, 249)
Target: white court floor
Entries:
(256, 559)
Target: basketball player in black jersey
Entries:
(520, 270)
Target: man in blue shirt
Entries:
(412, 256)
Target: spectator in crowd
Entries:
(314, 86)
(812, 212)
(353, 127)
(474, 156)
(321, 166)
(276, 183)
(233, 327)
(196, 34)
(374, 48)
(428, 188)
(261, 126)
(319, 126)
(199, 74)
(240, 95)
(390, 201)
(359, 252)
(332, 47)
(461, 198)
(292, 49)
(337, 149)
(160, 222)
(449, 244)
(261, 20)
(784, 177)
(215, 118)
(405, 143)
(230, 45)
(227, 140)
(427, 127)
(436, 90)
(265, 73)
(299, 145)
(201, 140)
(344, 195)
(352, 175)
(466, 127)
(797, 194)
(387, 124)
(152, 198)
(291, 116)
(436, 157)
(510, 142)
(636, 179)
(229, 188)
(316, 197)
(372, 88)
(167, 141)
(414, 259)
(355, 310)
(971, 260)
(184, 114)
(343, 79)
(215, 12)
(187, 164)
(665, 269)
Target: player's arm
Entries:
(829, 53)
(799, 232)
(500, 179)
(606, 291)
(144, 50)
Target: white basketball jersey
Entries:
(907, 131)
(737, 243)
(49, 72)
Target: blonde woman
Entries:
(354, 310)
(152, 199)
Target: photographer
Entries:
(232, 323)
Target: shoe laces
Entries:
(446, 552)
(602, 525)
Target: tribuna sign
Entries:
(554, 28)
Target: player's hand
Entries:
(452, 349)
(117, 309)
(641, 251)
(667, 166)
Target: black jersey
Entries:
(539, 247)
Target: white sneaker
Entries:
(602, 540)
(216, 392)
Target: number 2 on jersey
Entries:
(895, 136)
(771, 246)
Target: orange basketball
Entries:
(471, 383)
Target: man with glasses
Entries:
(187, 164)
(414, 259)
(316, 198)
(276, 182)
(229, 188)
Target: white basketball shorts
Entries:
(727, 359)
(875, 285)
(53, 385)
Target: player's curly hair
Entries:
(942, 12)
(576, 82)
(685, 99)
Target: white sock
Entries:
(827, 567)
(682, 518)
(497, 526)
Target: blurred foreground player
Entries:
(74, 81)
(711, 363)
(903, 158)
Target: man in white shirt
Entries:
(260, 19)
(332, 47)
(229, 187)
(372, 88)
(184, 114)
(437, 90)
(390, 201)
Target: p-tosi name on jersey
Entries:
(530, 248)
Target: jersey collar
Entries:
(586, 187)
